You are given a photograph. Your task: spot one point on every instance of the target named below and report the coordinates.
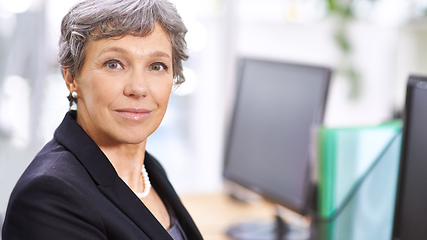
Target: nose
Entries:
(136, 85)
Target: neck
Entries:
(127, 160)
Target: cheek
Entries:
(162, 94)
(161, 88)
(98, 92)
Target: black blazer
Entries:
(71, 191)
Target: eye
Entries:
(158, 66)
(114, 64)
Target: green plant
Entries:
(343, 12)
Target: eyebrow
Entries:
(158, 54)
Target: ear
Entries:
(69, 80)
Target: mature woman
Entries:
(120, 61)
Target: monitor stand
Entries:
(273, 230)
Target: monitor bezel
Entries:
(412, 82)
(309, 185)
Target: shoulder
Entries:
(53, 162)
(50, 197)
(53, 173)
(47, 207)
(43, 191)
(54, 168)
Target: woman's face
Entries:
(124, 87)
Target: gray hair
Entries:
(95, 19)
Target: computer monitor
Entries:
(410, 215)
(276, 107)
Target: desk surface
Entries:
(214, 213)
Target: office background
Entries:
(372, 53)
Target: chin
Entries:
(132, 138)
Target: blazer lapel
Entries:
(167, 193)
(75, 139)
(128, 203)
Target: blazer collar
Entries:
(168, 194)
(74, 138)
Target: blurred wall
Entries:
(190, 141)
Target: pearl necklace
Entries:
(147, 184)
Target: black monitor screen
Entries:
(410, 221)
(267, 151)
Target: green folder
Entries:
(346, 157)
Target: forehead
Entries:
(157, 40)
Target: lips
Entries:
(135, 114)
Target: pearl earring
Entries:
(74, 95)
